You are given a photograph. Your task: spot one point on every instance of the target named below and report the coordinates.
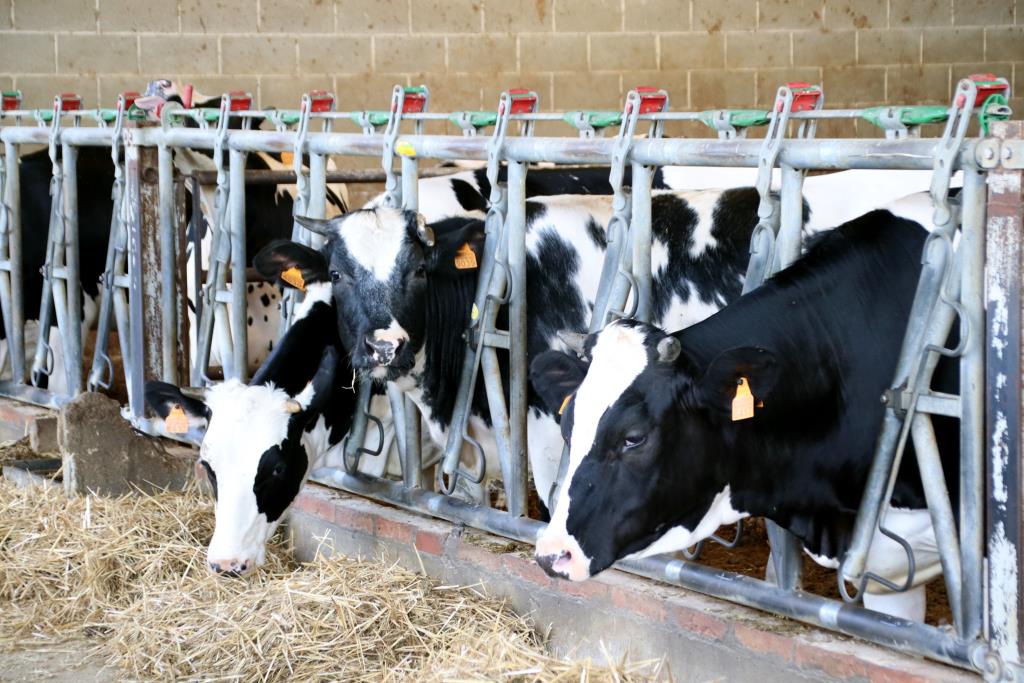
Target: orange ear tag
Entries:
(465, 259)
(288, 158)
(293, 276)
(565, 404)
(743, 402)
(176, 421)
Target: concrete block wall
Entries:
(575, 53)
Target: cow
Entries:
(658, 457)
(263, 439)
(403, 303)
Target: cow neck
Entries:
(835, 323)
(449, 300)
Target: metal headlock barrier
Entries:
(985, 636)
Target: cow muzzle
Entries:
(382, 351)
(562, 558)
(231, 568)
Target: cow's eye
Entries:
(278, 470)
(421, 271)
(631, 441)
(335, 276)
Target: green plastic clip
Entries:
(908, 116)
(376, 118)
(595, 119)
(737, 118)
(477, 119)
(995, 108)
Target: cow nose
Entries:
(547, 563)
(230, 568)
(382, 351)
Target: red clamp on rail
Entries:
(69, 101)
(988, 85)
(320, 101)
(129, 97)
(652, 100)
(11, 100)
(805, 96)
(522, 101)
(415, 100)
(239, 100)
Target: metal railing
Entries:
(950, 289)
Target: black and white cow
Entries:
(262, 439)
(403, 304)
(657, 461)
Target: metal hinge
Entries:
(993, 153)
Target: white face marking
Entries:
(679, 537)
(374, 238)
(618, 357)
(245, 422)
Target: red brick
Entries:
(430, 542)
(480, 557)
(831, 662)
(594, 589)
(353, 520)
(303, 502)
(701, 623)
(397, 531)
(914, 672)
(639, 603)
(764, 642)
(526, 569)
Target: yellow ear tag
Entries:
(565, 404)
(743, 402)
(176, 421)
(293, 276)
(474, 313)
(465, 258)
(287, 158)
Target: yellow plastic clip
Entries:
(176, 421)
(743, 402)
(293, 276)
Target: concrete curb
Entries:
(702, 637)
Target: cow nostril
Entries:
(215, 567)
(243, 566)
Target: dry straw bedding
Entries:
(129, 574)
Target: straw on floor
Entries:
(129, 572)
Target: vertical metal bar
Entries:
(787, 244)
(72, 280)
(515, 227)
(16, 308)
(972, 397)
(236, 207)
(357, 432)
(412, 457)
(135, 378)
(168, 298)
(1004, 427)
(640, 226)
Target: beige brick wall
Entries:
(575, 53)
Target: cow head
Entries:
(647, 433)
(380, 262)
(253, 455)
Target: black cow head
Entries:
(647, 432)
(380, 262)
(253, 455)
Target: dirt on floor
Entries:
(73, 661)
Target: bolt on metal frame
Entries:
(950, 287)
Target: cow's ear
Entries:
(163, 397)
(723, 378)
(459, 249)
(291, 264)
(555, 377)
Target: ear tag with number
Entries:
(176, 421)
(743, 402)
(293, 276)
(474, 313)
(465, 259)
(565, 404)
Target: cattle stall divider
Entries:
(951, 287)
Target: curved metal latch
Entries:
(404, 100)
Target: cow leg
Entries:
(908, 605)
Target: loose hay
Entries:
(131, 570)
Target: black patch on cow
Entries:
(278, 477)
(211, 477)
(265, 300)
(534, 212)
(265, 319)
(468, 198)
(597, 234)
(251, 288)
(249, 321)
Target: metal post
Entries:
(237, 307)
(14, 307)
(1004, 426)
(134, 370)
(515, 228)
(640, 226)
(168, 298)
(412, 457)
(972, 401)
(68, 289)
